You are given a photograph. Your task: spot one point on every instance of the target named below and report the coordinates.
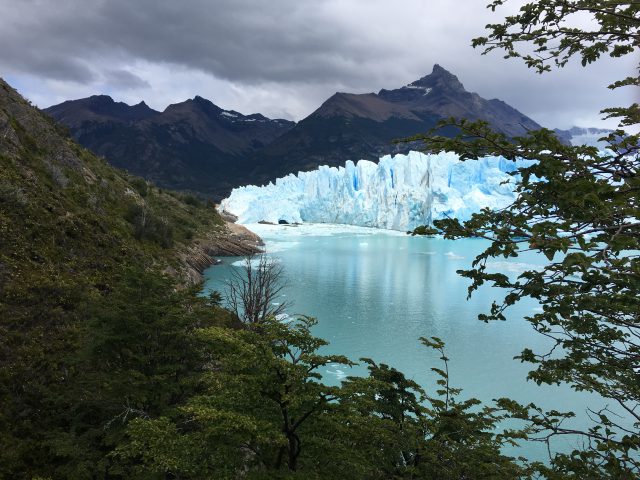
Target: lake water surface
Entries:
(376, 292)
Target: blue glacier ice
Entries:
(397, 193)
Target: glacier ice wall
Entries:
(398, 193)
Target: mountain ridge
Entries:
(197, 146)
(191, 146)
(365, 126)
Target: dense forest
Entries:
(113, 366)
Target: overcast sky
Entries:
(282, 58)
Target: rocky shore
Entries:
(232, 240)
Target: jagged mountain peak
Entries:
(106, 104)
(198, 100)
(439, 82)
(439, 78)
(99, 99)
(99, 108)
(195, 104)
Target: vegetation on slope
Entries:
(81, 241)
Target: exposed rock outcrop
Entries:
(233, 240)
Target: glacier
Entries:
(397, 193)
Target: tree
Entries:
(265, 412)
(262, 393)
(400, 431)
(252, 292)
(580, 208)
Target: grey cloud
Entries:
(248, 40)
(320, 47)
(124, 79)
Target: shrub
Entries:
(147, 226)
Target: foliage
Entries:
(578, 207)
(557, 31)
(71, 270)
(266, 413)
(463, 442)
(140, 185)
(148, 226)
(192, 200)
(263, 392)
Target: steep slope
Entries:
(93, 265)
(364, 126)
(193, 145)
(442, 94)
(70, 201)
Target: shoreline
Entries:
(231, 240)
(239, 240)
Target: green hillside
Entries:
(84, 253)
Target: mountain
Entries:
(197, 146)
(442, 94)
(364, 126)
(99, 108)
(584, 136)
(397, 193)
(194, 145)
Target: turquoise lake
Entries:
(376, 292)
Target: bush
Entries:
(192, 200)
(140, 186)
(147, 226)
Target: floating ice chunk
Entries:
(339, 374)
(511, 267)
(255, 262)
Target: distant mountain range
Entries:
(193, 145)
(363, 126)
(584, 136)
(197, 146)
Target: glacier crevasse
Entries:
(397, 193)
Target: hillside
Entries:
(79, 240)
